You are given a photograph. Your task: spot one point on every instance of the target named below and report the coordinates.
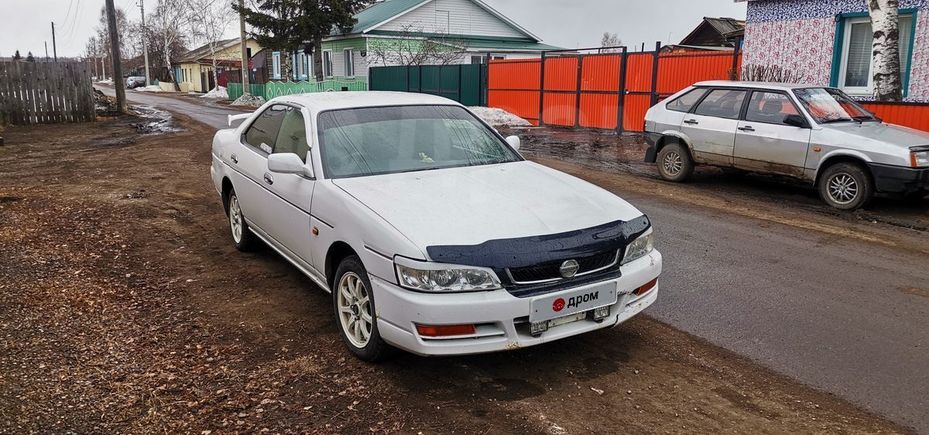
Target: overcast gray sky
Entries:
(26, 24)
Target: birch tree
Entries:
(409, 48)
(210, 23)
(168, 22)
(885, 19)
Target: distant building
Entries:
(471, 28)
(194, 70)
(712, 34)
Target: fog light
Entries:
(536, 329)
(601, 313)
(444, 330)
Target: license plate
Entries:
(572, 302)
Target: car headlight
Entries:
(919, 159)
(439, 277)
(639, 247)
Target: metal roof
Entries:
(203, 52)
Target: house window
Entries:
(349, 62)
(301, 65)
(327, 63)
(854, 74)
(477, 60)
(276, 65)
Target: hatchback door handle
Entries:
(691, 121)
(747, 128)
(234, 158)
(268, 179)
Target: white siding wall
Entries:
(464, 18)
(338, 64)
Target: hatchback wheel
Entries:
(674, 163)
(242, 237)
(846, 186)
(353, 301)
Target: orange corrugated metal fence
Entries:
(913, 115)
(585, 90)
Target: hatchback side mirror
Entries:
(513, 141)
(796, 121)
(288, 163)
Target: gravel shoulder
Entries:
(124, 307)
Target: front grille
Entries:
(549, 271)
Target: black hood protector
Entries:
(528, 251)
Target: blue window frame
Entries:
(851, 58)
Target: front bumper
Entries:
(899, 179)
(501, 318)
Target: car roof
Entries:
(322, 101)
(765, 85)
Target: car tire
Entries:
(241, 234)
(356, 318)
(846, 186)
(674, 163)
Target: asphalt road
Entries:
(842, 315)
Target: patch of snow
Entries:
(105, 82)
(149, 88)
(499, 117)
(248, 101)
(218, 93)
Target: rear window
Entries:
(722, 103)
(686, 101)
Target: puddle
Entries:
(154, 121)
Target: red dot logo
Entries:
(558, 305)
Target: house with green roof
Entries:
(398, 32)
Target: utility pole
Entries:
(54, 46)
(46, 51)
(244, 46)
(144, 47)
(114, 53)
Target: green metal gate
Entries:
(466, 84)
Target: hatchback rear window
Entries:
(686, 101)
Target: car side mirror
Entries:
(288, 163)
(513, 141)
(796, 121)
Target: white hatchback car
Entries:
(815, 134)
(430, 230)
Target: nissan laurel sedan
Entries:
(430, 231)
(815, 134)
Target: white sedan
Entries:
(430, 231)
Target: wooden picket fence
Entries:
(45, 93)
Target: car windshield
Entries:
(828, 105)
(386, 140)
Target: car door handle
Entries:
(234, 158)
(747, 128)
(268, 179)
(691, 121)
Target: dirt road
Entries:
(760, 266)
(124, 307)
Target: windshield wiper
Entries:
(862, 118)
(830, 121)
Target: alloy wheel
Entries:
(672, 163)
(235, 219)
(842, 188)
(354, 306)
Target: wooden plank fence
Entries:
(45, 93)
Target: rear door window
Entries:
(685, 102)
(262, 134)
(722, 103)
(770, 108)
